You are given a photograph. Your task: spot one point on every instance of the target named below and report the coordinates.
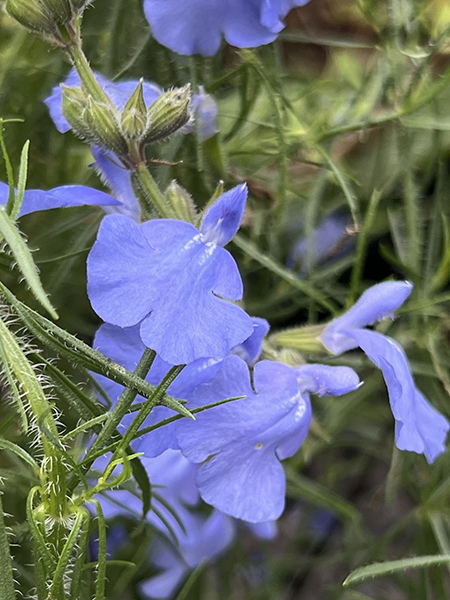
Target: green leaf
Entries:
(7, 591)
(101, 563)
(25, 261)
(20, 452)
(269, 263)
(41, 552)
(394, 566)
(9, 170)
(67, 552)
(191, 580)
(23, 171)
(14, 389)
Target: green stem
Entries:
(152, 192)
(146, 409)
(123, 404)
(83, 68)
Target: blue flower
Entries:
(125, 347)
(239, 445)
(418, 427)
(197, 26)
(59, 197)
(172, 280)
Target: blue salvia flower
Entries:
(172, 279)
(125, 347)
(197, 26)
(243, 442)
(59, 197)
(418, 427)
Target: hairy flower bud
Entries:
(79, 5)
(168, 113)
(181, 202)
(104, 127)
(134, 115)
(74, 105)
(59, 9)
(32, 15)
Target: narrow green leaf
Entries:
(14, 389)
(24, 261)
(7, 591)
(67, 552)
(84, 427)
(9, 170)
(40, 549)
(345, 186)
(393, 566)
(79, 561)
(101, 568)
(20, 452)
(22, 183)
(191, 580)
(269, 263)
(142, 479)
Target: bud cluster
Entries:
(43, 16)
(103, 124)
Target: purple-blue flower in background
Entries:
(328, 241)
(59, 197)
(197, 26)
(172, 279)
(418, 427)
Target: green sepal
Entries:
(134, 115)
(181, 203)
(32, 15)
(104, 127)
(168, 114)
(59, 9)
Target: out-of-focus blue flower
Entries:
(418, 427)
(199, 539)
(204, 112)
(59, 197)
(328, 241)
(165, 276)
(211, 538)
(197, 26)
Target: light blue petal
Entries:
(251, 349)
(196, 26)
(324, 380)
(118, 179)
(4, 193)
(244, 483)
(264, 531)
(376, 303)
(63, 197)
(243, 477)
(223, 218)
(419, 427)
(204, 115)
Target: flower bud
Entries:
(104, 127)
(168, 113)
(74, 105)
(134, 115)
(181, 202)
(79, 5)
(59, 9)
(32, 15)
